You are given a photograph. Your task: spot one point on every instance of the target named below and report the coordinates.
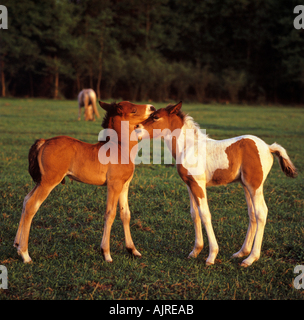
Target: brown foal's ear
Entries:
(174, 108)
(106, 106)
(119, 109)
(110, 107)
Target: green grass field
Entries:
(66, 232)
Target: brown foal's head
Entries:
(127, 111)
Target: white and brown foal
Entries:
(246, 159)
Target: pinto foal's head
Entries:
(170, 118)
(126, 111)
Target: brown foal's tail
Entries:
(286, 165)
(34, 169)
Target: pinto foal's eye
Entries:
(134, 110)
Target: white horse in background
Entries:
(87, 99)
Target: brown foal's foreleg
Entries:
(114, 191)
(125, 216)
(31, 205)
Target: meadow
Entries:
(66, 231)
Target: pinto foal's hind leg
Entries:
(31, 205)
(247, 245)
(125, 216)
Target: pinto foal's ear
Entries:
(174, 108)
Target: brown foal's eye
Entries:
(155, 117)
(134, 110)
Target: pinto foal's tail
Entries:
(34, 169)
(286, 165)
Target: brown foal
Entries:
(51, 160)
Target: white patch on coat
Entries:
(216, 156)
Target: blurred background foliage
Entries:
(206, 51)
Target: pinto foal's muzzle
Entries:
(139, 132)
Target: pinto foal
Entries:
(51, 160)
(245, 159)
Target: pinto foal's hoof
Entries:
(134, 252)
(106, 256)
(25, 256)
(244, 265)
(193, 254)
(108, 259)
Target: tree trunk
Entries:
(31, 85)
(200, 92)
(56, 85)
(3, 78)
(91, 76)
(56, 79)
(148, 25)
(135, 92)
(100, 66)
(78, 82)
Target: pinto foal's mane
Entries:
(109, 115)
(189, 123)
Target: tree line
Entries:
(212, 50)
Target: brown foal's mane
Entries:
(109, 115)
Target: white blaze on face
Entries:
(149, 110)
(141, 133)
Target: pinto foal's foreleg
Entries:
(31, 204)
(247, 245)
(198, 189)
(125, 216)
(199, 242)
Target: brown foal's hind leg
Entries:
(17, 238)
(31, 204)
